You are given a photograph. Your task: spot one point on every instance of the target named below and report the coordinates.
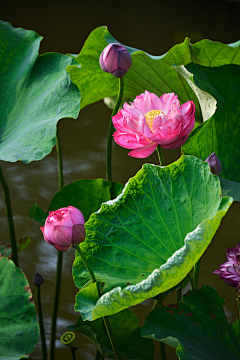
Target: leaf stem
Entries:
(161, 345)
(160, 155)
(179, 293)
(192, 281)
(8, 210)
(110, 132)
(89, 269)
(98, 356)
(56, 303)
(60, 163)
(105, 319)
(196, 271)
(44, 349)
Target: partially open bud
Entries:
(214, 163)
(38, 279)
(115, 59)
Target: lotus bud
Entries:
(115, 59)
(38, 279)
(214, 163)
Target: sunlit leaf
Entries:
(35, 93)
(147, 240)
(221, 133)
(19, 327)
(200, 325)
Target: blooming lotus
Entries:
(64, 227)
(230, 270)
(150, 121)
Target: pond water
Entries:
(65, 27)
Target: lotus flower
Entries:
(64, 227)
(115, 59)
(150, 121)
(230, 270)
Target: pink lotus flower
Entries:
(64, 227)
(150, 121)
(230, 270)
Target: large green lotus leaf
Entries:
(147, 240)
(200, 325)
(35, 93)
(221, 133)
(147, 72)
(19, 328)
(230, 188)
(85, 195)
(126, 331)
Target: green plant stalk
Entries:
(60, 163)
(98, 356)
(105, 319)
(73, 353)
(161, 345)
(110, 132)
(179, 293)
(55, 305)
(9, 218)
(196, 271)
(44, 349)
(192, 281)
(160, 155)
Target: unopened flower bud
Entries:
(115, 59)
(38, 279)
(214, 163)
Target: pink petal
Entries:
(78, 234)
(144, 151)
(166, 102)
(75, 215)
(62, 235)
(129, 141)
(177, 144)
(62, 248)
(188, 117)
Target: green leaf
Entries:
(200, 325)
(126, 331)
(147, 240)
(207, 102)
(85, 195)
(19, 327)
(147, 72)
(6, 249)
(221, 133)
(36, 92)
(230, 188)
(36, 213)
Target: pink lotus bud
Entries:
(115, 59)
(214, 163)
(230, 270)
(38, 279)
(64, 227)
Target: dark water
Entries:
(153, 27)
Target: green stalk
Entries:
(98, 356)
(56, 302)
(192, 281)
(179, 293)
(161, 345)
(73, 353)
(110, 132)
(105, 319)
(160, 155)
(9, 218)
(44, 349)
(59, 157)
(196, 271)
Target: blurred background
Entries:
(152, 26)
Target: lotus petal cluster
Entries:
(230, 270)
(150, 121)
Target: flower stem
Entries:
(44, 349)
(9, 218)
(98, 356)
(161, 345)
(179, 293)
(73, 353)
(56, 302)
(59, 157)
(160, 155)
(105, 319)
(192, 280)
(196, 271)
(110, 132)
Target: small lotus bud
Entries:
(214, 163)
(68, 339)
(115, 59)
(38, 279)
